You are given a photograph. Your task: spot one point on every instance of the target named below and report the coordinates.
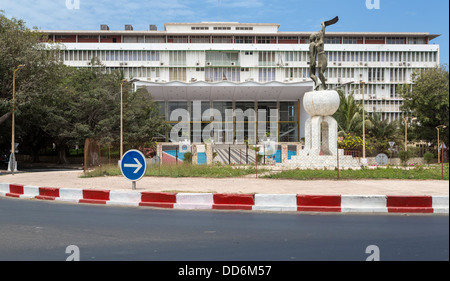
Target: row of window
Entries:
(122, 56)
(237, 39)
(221, 28)
(233, 74)
(382, 56)
(265, 58)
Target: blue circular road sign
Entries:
(133, 165)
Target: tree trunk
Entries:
(5, 116)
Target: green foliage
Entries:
(381, 132)
(188, 158)
(428, 157)
(404, 156)
(353, 142)
(428, 100)
(349, 114)
(65, 105)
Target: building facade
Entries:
(229, 65)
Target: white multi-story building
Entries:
(230, 65)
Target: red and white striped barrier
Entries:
(257, 202)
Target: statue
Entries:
(317, 50)
(321, 129)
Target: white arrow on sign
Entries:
(138, 166)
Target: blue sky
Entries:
(293, 15)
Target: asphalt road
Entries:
(41, 230)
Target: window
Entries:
(95, 37)
(294, 56)
(266, 58)
(155, 39)
(297, 73)
(222, 58)
(352, 40)
(216, 74)
(153, 56)
(177, 58)
(199, 28)
(266, 74)
(177, 39)
(222, 39)
(62, 37)
(177, 74)
(332, 40)
(265, 39)
(396, 40)
(244, 28)
(415, 40)
(244, 40)
(199, 39)
(222, 28)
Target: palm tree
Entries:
(349, 115)
(382, 132)
(382, 128)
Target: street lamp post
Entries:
(12, 158)
(121, 112)
(363, 83)
(121, 117)
(406, 130)
(364, 122)
(438, 142)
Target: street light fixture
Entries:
(12, 159)
(438, 142)
(406, 129)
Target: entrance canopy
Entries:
(226, 91)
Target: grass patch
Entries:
(417, 173)
(181, 170)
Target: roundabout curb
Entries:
(243, 202)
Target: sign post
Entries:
(133, 166)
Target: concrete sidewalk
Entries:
(247, 185)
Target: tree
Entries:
(63, 105)
(381, 132)
(349, 115)
(20, 45)
(428, 100)
(142, 120)
(86, 104)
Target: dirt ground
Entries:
(247, 185)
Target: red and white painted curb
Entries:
(256, 202)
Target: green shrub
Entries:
(428, 157)
(188, 158)
(404, 156)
